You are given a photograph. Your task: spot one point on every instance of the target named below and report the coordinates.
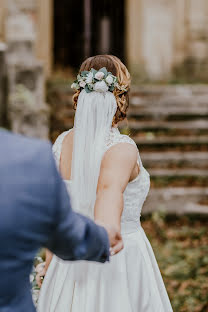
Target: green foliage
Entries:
(181, 248)
(104, 71)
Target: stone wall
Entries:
(37, 15)
(27, 111)
(165, 39)
(168, 39)
(3, 86)
(2, 17)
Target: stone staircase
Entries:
(170, 127)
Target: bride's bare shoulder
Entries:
(68, 135)
(68, 142)
(57, 146)
(117, 166)
(120, 154)
(64, 136)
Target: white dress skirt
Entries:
(130, 282)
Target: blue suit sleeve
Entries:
(75, 237)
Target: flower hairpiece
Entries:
(97, 80)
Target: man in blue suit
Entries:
(35, 211)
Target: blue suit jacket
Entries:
(35, 211)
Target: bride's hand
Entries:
(41, 272)
(115, 238)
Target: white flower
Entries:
(99, 75)
(101, 86)
(31, 278)
(75, 85)
(109, 79)
(82, 84)
(89, 78)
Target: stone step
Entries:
(151, 115)
(178, 200)
(171, 109)
(178, 177)
(197, 160)
(166, 132)
(187, 90)
(160, 125)
(169, 102)
(180, 143)
(179, 172)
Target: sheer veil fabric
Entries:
(93, 121)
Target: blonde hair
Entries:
(114, 65)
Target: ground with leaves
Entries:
(181, 248)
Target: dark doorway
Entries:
(68, 32)
(106, 24)
(108, 27)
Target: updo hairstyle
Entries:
(114, 65)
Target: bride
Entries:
(105, 177)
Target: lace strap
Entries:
(57, 146)
(116, 138)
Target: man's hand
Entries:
(114, 236)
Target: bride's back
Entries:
(91, 155)
(111, 154)
(121, 178)
(123, 182)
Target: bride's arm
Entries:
(117, 167)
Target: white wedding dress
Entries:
(131, 282)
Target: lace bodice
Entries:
(136, 190)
